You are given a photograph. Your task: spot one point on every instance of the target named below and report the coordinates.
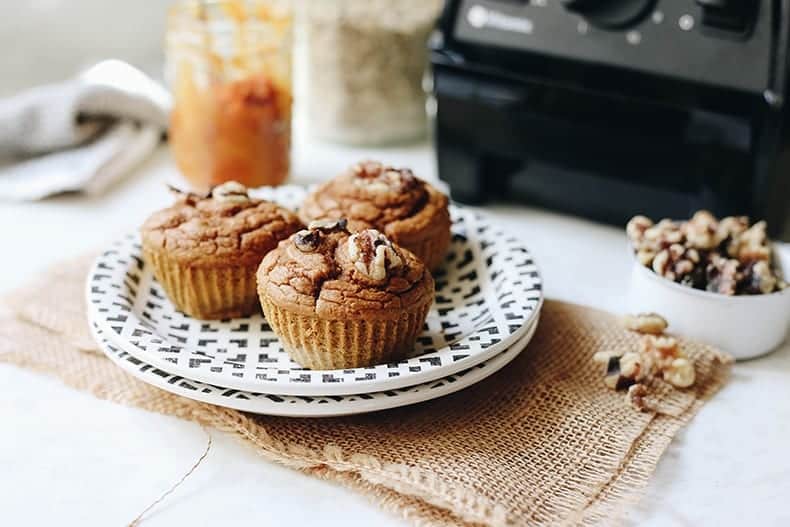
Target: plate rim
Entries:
(353, 389)
(359, 406)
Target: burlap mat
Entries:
(542, 442)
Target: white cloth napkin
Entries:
(79, 135)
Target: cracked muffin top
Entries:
(225, 223)
(372, 195)
(327, 271)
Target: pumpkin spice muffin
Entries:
(342, 300)
(205, 249)
(409, 211)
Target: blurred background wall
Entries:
(49, 40)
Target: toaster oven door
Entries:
(599, 155)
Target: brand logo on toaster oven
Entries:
(482, 17)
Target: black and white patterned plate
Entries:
(487, 293)
(303, 405)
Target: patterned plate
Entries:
(309, 406)
(487, 294)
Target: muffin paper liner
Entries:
(317, 343)
(431, 250)
(206, 293)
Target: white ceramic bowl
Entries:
(744, 326)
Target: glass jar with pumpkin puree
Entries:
(229, 67)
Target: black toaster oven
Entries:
(609, 108)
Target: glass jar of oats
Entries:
(366, 61)
(229, 67)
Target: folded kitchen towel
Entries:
(79, 135)
(541, 443)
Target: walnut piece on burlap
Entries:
(542, 442)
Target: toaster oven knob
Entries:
(610, 14)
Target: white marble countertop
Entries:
(70, 459)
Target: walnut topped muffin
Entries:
(343, 300)
(409, 211)
(205, 249)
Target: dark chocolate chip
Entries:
(307, 240)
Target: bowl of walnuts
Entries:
(719, 281)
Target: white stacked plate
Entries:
(488, 299)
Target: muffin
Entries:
(409, 211)
(204, 250)
(343, 300)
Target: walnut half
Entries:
(230, 192)
(338, 225)
(680, 373)
(650, 323)
(373, 254)
(377, 177)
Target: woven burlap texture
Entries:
(542, 442)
